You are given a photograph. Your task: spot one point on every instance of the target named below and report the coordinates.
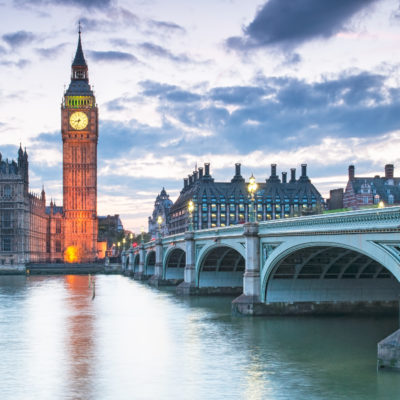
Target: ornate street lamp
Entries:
(252, 188)
(123, 243)
(381, 204)
(190, 209)
(159, 222)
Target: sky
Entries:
(182, 82)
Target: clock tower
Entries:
(79, 129)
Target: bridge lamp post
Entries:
(123, 243)
(141, 234)
(118, 246)
(381, 204)
(159, 222)
(252, 188)
(190, 209)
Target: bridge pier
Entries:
(188, 286)
(142, 255)
(130, 262)
(249, 302)
(157, 279)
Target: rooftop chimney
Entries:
(185, 183)
(190, 179)
(273, 170)
(200, 172)
(284, 177)
(351, 172)
(389, 171)
(292, 175)
(195, 176)
(237, 169)
(207, 169)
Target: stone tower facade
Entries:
(79, 129)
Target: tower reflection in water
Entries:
(80, 335)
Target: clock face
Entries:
(78, 120)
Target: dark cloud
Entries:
(289, 23)
(237, 94)
(160, 51)
(18, 39)
(167, 26)
(169, 93)
(51, 52)
(112, 56)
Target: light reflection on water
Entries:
(135, 342)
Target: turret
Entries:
(79, 70)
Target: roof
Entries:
(79, 60)
(236, 190)
(79, 88)
(381, 186)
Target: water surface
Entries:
(135, 342)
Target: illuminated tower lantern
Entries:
(79, 129)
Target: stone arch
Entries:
(150, 263)
(136, 260)
(174, 263)
(328, 270)
(220, 265)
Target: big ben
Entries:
(79, 129)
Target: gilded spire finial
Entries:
(79, 27)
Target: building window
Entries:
(6, 219)
(390, 199)
(7, 191)
(58, 246)
(365, 200)
(6, 244)
(58, 226)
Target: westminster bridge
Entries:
(332, 263)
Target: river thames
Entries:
(135, 342)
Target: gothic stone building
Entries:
(364, 191)
(32, 232)
(25, 222)
(161, 209)
(227, 203)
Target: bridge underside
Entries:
(175, 265)
(331, 274)
(150, 264)
(222, 267)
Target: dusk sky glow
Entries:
(180, 83)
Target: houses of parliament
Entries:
(31, 230)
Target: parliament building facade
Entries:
(30, 230)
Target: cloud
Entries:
(168, 92)
(159, 51)
(167, 26)
(112, 56)
(12, 64)
(88, 4)
(18, 39)
(50, 52)
(286, 24)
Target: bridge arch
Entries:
(220, 265)
(150, 263)
(174, 263)
(136, 260)
(345, 270)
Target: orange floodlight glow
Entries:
(72, 255)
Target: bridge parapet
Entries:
(362, 220)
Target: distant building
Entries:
(219, 204)
(335, 200)
(111, 229)
(363, 191)
(162, 206)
